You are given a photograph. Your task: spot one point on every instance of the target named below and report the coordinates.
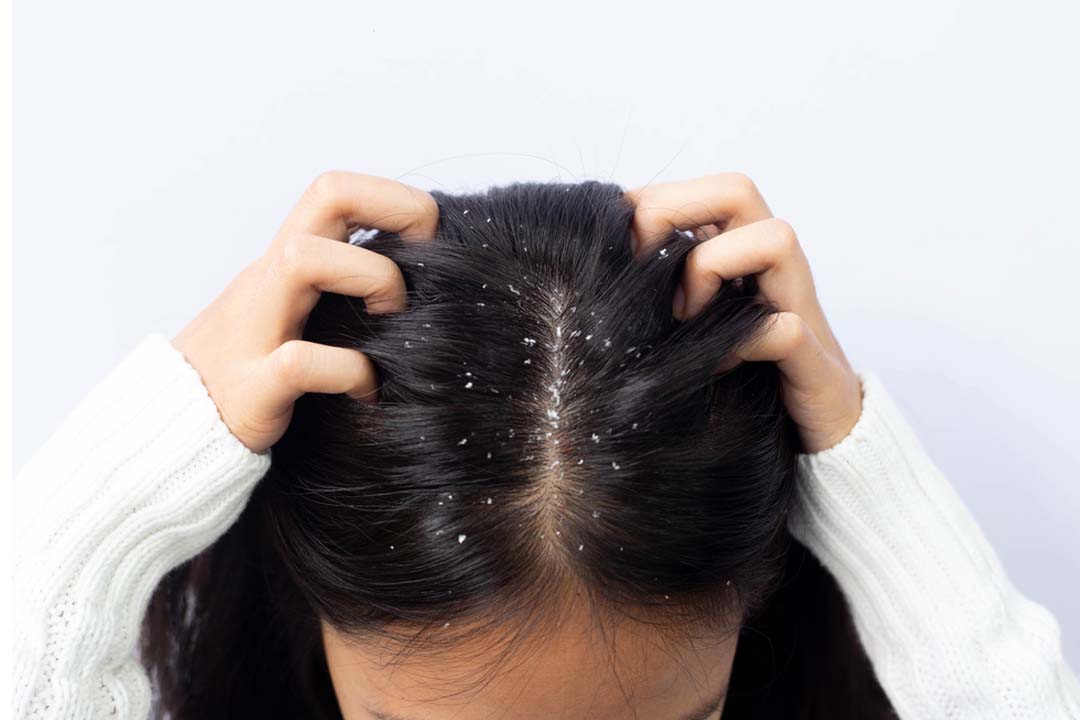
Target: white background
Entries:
(925, 151)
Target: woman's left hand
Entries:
(741, 237)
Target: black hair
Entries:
(544, 427)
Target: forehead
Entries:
(575, 671)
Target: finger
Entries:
(304, 266)
(788, 341)
(337, 201)
(727, 200)
(298, 366)
(768, 248)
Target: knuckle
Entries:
(652, 220)
(740, 183)
(292, 257)
(784, 236)
(289, 363)
(429, 205)
(793, 328)
(327, 183)
(695, 263)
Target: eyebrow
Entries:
(700, 713)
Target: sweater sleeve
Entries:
(947, 634)
(141, 476)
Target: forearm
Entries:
(947, 633)
(142, 475)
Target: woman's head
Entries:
(559, 506)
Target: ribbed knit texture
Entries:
(143, 474)
(947, 633)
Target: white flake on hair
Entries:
(615, 465)
(489, 501)
(466, 212)
(580, 460)
(480, 304)
(468, 385)
(461, 538)
(489, 455)
(663, 253)
(634, 426)
(408, 344)
(529, 341)
(513, 290)
(607, 342)
(528, 361)
(588, 337)
(463, 441)
(488, 220)
(595, 514)
(446, 625)
(391, 547)
(580, 547)
(595, 438)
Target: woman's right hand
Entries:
(246, 344)
(739, 237)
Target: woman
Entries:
(544, 468)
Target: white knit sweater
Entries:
(143, 474)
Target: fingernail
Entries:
(680, 302)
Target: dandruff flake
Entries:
(468, 385)
(615, 465)
(463, 441)
(461, 538)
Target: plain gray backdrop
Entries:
(925, 151)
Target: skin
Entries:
(246, 346)
(575, 672)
